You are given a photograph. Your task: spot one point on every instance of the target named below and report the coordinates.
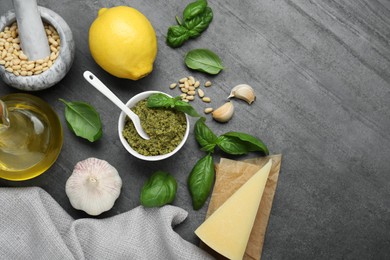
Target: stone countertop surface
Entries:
(321, 72)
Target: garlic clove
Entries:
(93, 186)
(224, 113)
(244, 92)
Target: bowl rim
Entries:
(121, 122)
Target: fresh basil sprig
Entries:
(201, 180)
(196, 18)
(159, 100)
(83, 120)
(234, 143)
(159, 189)
(203, 60)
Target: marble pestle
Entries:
(32, 34)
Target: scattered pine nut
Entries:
(173, 85)
(206, 99)
(208, 110)
(207, 84)
(200, 93)
(182, 80)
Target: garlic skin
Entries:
(224, 113)
(244, 92)
(93, 186)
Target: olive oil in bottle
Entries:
(30, 137)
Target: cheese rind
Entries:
(228, 229)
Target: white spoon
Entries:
(94, 81)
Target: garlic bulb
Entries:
(244, 92)
(224, 113)
(93, 186)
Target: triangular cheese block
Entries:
(227, 230)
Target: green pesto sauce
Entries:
(165, 127)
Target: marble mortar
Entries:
(61, 65)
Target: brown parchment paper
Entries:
(230, 176)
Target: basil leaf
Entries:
(232, 145)
(201, 180)
(203, 60)
(194, 9)
(205, 137)
(199, 23)
(177, 35)
(160, 100)
(240, 143)
(185, 108)
(83, 120)
(159, 189)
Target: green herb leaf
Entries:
(177, 35)
(199, 23)
(203, 60)
(159, 189)
(201, 180)
(159, 100)
(186, 108)
(194, 9)
(205, 137)
(196, 18)
(83, 120)
(241, 143)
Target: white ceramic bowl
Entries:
(122, 119)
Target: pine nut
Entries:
(39, 61)
(200, 93)
(191, 88)
(208, 110)
(197, 84)
(49, 63)
(206, 99)
(173, 85)
(30, 67)
(183, 95)
(207, 84)
(183, 80)
(191, 80)
(191, 92)
(9, 69)
(16, 73)
(181, 85)
(29, 73)
(2, 62)
(52, 56)
(16, 67)
(22, 56)
(16, 61)
(184, 90)
(190, 97)
(37, 72)
(186, 84)
(38, 68)
(52, 48)
(23, 73)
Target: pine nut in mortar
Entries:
(11, 52)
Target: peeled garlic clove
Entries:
(244, 92)
(224, 113)
(93, 186)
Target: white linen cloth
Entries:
(34, 226)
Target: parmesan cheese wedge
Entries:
(228, 229)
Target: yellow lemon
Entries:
(123, 42)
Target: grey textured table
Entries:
(321, 71)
